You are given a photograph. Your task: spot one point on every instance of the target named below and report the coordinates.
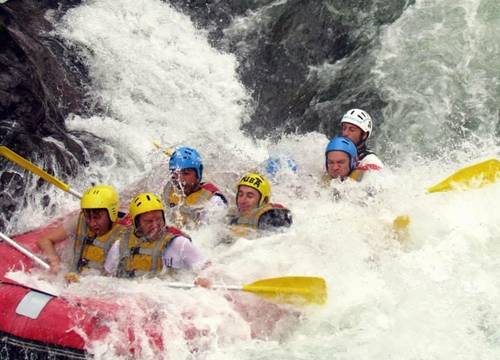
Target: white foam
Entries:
(432, 295)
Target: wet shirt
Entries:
(369, 160)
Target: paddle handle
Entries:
(178, 285)
(25, 251)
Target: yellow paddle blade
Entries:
(22, 162)
(470, 177)
(291, 289)
(168, 151)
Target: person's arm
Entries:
(47, 242)
(182, 254)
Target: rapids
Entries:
(431, 294)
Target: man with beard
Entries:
(357, 125)
(150, 247)
(190, 202)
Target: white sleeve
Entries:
(111, 263)
(214, 209)
(182, 254)
(216, 202)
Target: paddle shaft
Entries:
(26, 164)
(25, 251)
(262, 289)
(75, 193)
(287, 289)
(177, 285)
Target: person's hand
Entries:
(55, 263)
(203, 282)
(72, 277)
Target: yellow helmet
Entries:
(144, 203)
(259, 183)
(101, 197)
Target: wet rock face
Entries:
(40, 85)
(306, 62)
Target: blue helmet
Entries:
(186, 158)
(276, 163)
(344, 144)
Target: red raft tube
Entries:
(38, 325)
(35, 325)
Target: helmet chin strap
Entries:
(363, 140)
(362, 145)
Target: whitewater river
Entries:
(431, 293)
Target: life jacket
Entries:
(139, 257)
(90, 251)
(186, 209)
(356, 175)
(247, 225)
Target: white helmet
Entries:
(359, 118)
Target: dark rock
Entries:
(41, 82)
(285, 53)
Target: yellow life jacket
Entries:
(139, 257)
(90, 251)
(247, 225)
(182, 209)
(356, 174)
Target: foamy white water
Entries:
(430, 295)
(438, 66)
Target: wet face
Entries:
(97, 220)
(354, 133)
(247, 199)
(337, 164)
(185, 179)
(151, 224)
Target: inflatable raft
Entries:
(37, 325)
